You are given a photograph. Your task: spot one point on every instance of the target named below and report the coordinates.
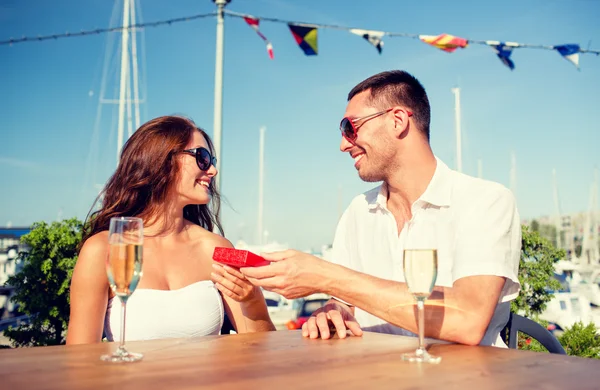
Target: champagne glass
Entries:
(124, 269)
(420, 273)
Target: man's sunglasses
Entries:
(349, 128)
(203, 157)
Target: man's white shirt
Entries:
(478, 232)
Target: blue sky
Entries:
(545, 111)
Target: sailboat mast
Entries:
(596, 217)
(513, 173)
(590, 234)
(134, 63)
(124, 74)
(456, 92)
(557, 209)
(261, 183)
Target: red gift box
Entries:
(238, 258)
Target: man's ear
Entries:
(401, 122)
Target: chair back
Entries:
(517, 323)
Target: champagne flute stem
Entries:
(421, 309)
(123, 313)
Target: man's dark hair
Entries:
(397, 87)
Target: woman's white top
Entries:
(192, 311)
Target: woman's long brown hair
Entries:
(147, 171)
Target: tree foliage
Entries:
(581, 340)
(536, 273)
(578, 340)
(42, 286)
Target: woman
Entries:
(165, 176)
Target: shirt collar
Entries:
(437, 193)
(439, 190)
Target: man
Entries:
(386, 132)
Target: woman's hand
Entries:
(231, 282)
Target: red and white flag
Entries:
(252, 22)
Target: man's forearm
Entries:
(445, 315)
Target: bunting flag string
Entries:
(305, 35)
(96, 31)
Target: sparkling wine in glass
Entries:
(124, 269)
(420, 272)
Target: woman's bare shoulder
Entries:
(207, 239)
(98, 241)
(217, 240)
(94, 250)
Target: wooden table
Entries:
(286, 360)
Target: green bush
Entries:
(42, 286)
(536, 273)
(536, 270)
(578, 340)
(581, 340)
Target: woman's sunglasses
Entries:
(349, 128)
(203, 157)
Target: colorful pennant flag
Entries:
(306, 38)
(373, 37)
(445, 42)
(503, 51)
(570, 52)
(252, 22)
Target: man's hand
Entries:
(292, 273)
(332, 317)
